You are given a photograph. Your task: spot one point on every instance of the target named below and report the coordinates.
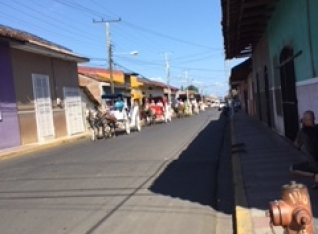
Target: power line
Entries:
(169, 37)
(41, 18)
(87, 10)
(142, 62)
(135, 29)
(41, 28)
(80, 8)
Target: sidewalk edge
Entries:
(242, 216)
(19, 151)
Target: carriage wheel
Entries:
(127, 127)
(148, 121)
(138, 125)
(165, 117)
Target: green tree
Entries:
(192, 88)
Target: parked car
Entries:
(223, 105)
(215, 104)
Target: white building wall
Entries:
(307, 95)
(154, 92)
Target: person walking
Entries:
(307, 140)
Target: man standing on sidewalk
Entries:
(307, 139)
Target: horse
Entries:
(148, 116)
(180, 111)
(98, 120)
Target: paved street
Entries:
(160, 180)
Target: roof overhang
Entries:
(89, 94)
(131, 73)
(40, 49)
(243, 23)
(94, 77)
(240, 72)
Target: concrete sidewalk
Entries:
(260, 168)
(23, 149)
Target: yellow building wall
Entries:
(136, 87)
(119, 78)
(134, 82)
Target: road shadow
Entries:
(193, 175)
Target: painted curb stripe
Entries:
(18, 152)
(243, 219)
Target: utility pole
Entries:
(168, 78)
(187, 81)
(167, 66)
(109, 51)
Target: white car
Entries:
(222, 105)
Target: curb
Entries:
(242, 216)
(37, 147)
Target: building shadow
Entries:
(193, 176)
(264, 165)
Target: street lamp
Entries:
(133, 53)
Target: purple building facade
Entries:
(9, 124)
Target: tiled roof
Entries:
(156, 83)
(144, 80)
(93, 76)
(163, 85)
(241, 71)
(89, 94)
(99, 78)
(95, 70)
(22, 36)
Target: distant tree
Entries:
(192, 88)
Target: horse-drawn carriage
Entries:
(159, 109)
(126, 117)
(115, 115)
(182, 107)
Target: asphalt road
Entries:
(163, 179)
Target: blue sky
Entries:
(188, 31)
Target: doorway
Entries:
(267, 97)
(258, 93)
(43, 107)
(289, 96)
(73, 110)
(246, 101)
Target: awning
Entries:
(241, 71)
(243, 23)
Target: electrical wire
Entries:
(87, 10)
(120, 32)
(63, 23)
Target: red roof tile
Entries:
(19, 35)
(95, 70)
